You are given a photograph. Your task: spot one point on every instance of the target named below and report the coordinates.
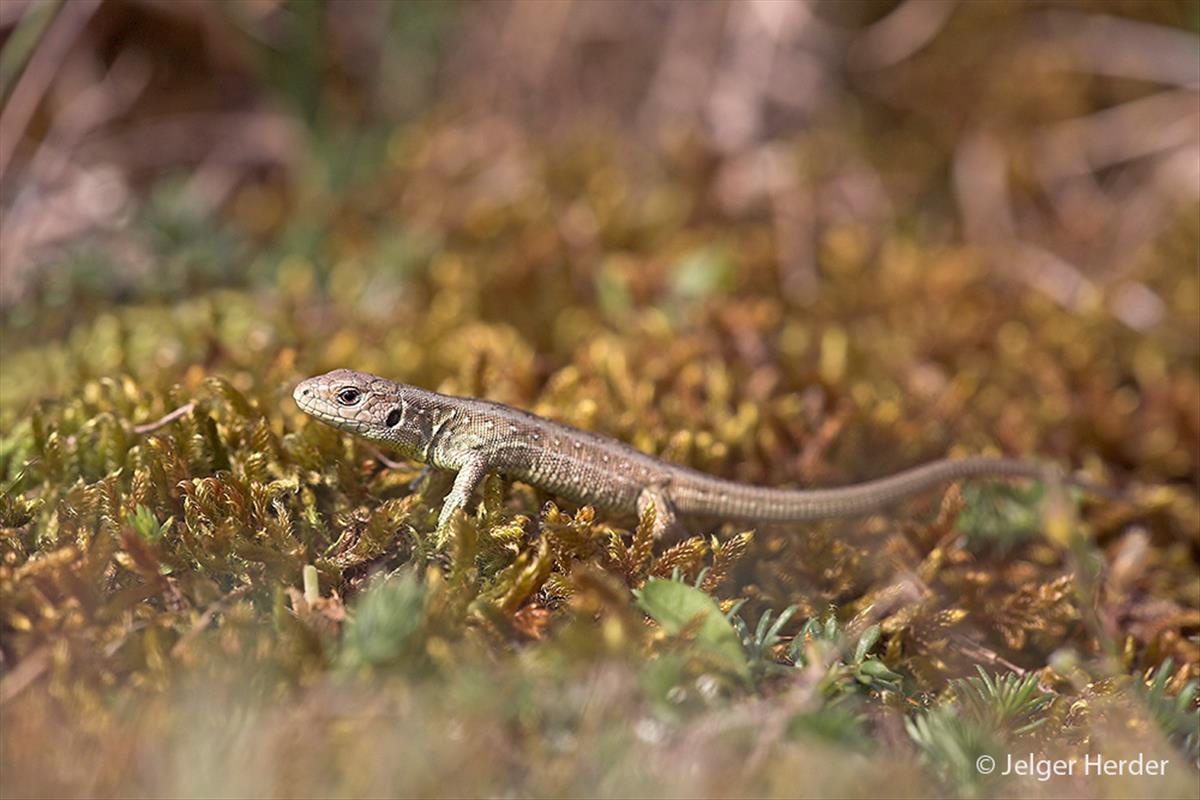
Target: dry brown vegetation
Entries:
(962, 232)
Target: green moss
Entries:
(153, 601)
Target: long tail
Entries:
(715, 497)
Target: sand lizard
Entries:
(474, 437)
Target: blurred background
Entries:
(1058, 139)
(791, 243)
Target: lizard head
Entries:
(356, 402)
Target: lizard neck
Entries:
(430, 427)
(405, 419)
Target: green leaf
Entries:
(865, 643)
(874, 668)
(675, 605)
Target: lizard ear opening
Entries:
(393, 418)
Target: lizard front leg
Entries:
(469, 476)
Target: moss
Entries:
(156, 621)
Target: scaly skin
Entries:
(474, 437)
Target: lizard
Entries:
(473, 437)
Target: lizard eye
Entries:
(348, 396)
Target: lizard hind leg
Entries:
(667, 527)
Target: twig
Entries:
(206, 617)
(387, 462)
(1124, 48)
(39, 71)
(150, 427)
(1150, 125)
(900, 34)
(24, 673)
(980, 653)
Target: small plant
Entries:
(762, 646)
(838, 721)
(953, 746)
(1178, 716)
(818, 641)
(147, 525)
(984, 714)
(1011, 704)
(384, 627)
(821, 639)
(1001, 514)
(686, 610)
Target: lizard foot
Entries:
(667, 527)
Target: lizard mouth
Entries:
(308, 398)
(305, 397)
(313, 399)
